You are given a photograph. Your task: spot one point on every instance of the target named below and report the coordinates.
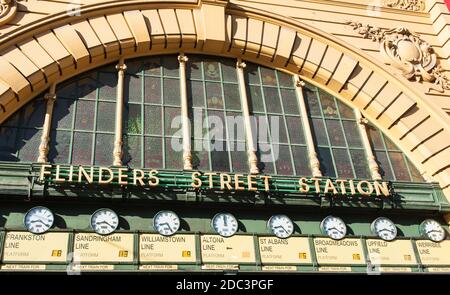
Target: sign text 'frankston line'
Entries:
(212, 180)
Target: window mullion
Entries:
(117, 153)
(373, 165)
(187, 155)
(251, 148)
(50, 97)
(313, 159)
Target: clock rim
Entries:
(100, 209)
(424, 234)
(268, 225)
(322, 228)
(226, 213)
(169, 211)
(374, 232)
(28, 212)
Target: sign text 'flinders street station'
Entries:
(71, 174)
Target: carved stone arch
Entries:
(59, 47)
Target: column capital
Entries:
(121, 66)
(50, 97)
(182, 58)
(240, 64)
(299, 82)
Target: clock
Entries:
(225, 224)
(334, 227)
(384, 228)
(104, 221)
(166, 223)
(38, 220)
(281, 226)
(432, 230)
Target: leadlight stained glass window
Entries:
(83, 119)
(152, 126)
(338, 141)
(280, 138)
(393, 163)
(218, 143)
(20, 135)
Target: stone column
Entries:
(373, 166)
(50, 97)
(313, 160)
(117, 153)
(251, 147)
(187, 156)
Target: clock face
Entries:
(104, 221)
(166, 223)
(432, 230)
(281, 226)
(225, 224)
(334, 227)
(38, 220)
(384, 228)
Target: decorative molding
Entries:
(406, 51)
(8, 9)
(414, 5)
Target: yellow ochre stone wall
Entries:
(45, 42)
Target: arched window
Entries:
(83, 123)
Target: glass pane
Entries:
(329, 108)
(107, 86)
(63, 113)
(251, 74)
(132, 148)
(60, 147)
(301, 160)
(8, 148)
(172, 120)
(268, 76)
(319, 132)
(105, 116)
(132, 89)
(235, 125)
(283, 159)
(214, 95)
(29, 145)
(104, 145)
(216, 123)
(285, 80)
(87, 85)
(345, 111)
(400, 169)
(255, 99)
(273, 104)
(360, 164)
(33, 114)
(170, 66)
(194, 68)
(229, 70)
(134, 66)
(152, 90)
(195, 93)
(219, 157)
(326, 162)
(232, 97)
(84, 117)
(172, 92)
(211, 70)
(153, 121)
(174, 157)
(67, 89)
(289, 102)
(352, 134)
(152, 65)
(295, 130)
(153, 152)
(133, 124)
(416, 176)
(200, 155)
(277, 129)
(265, 158)
(385, 169)
(343, 164)
(312, 102)
(13, 120)
(335, 133)
(389, 144)
(239, 161)
(375, 137)
(82, 147)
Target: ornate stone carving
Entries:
(8, 10)
(414, 5)
(406, 51)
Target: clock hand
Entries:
(280, 226)
(38, 220)
(224, 220)
(104, 223)
(336, 230)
